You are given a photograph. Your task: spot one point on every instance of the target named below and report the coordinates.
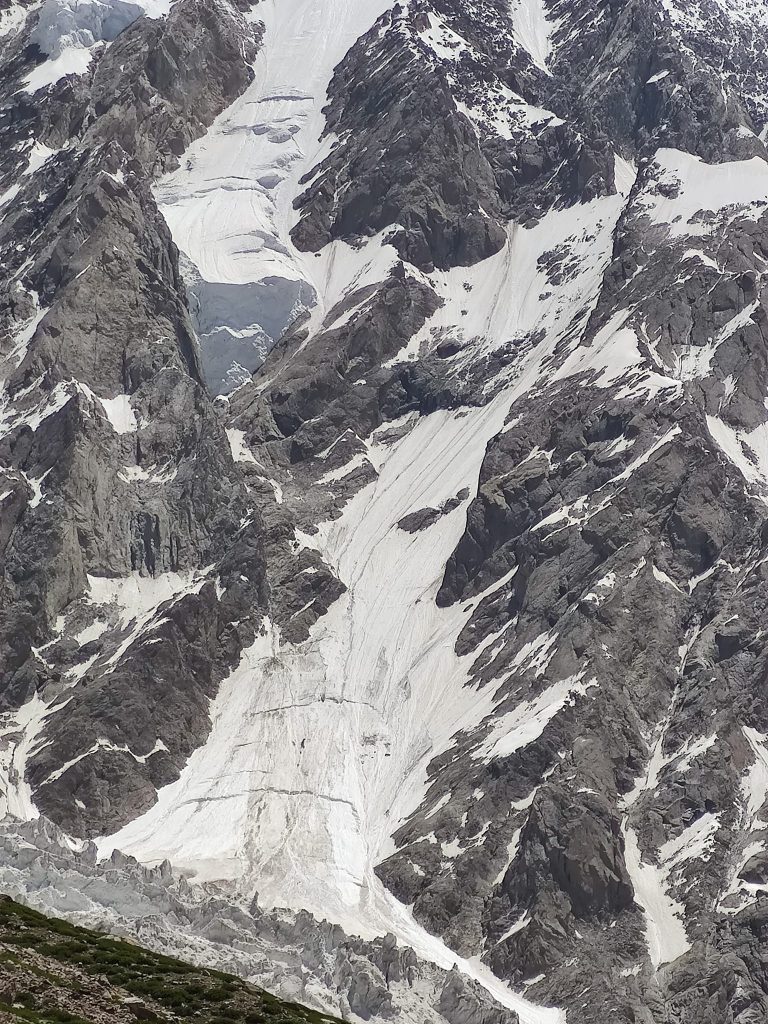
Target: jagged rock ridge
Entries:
(446, 623)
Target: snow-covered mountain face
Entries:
(383, 522)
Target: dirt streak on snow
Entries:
(318, 751)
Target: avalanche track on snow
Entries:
(318, 751)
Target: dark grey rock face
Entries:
(567, 214)
(426, 517)
(318, 386)
(436, 185)
(142, 483)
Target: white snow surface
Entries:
(754, 793)
(508, 297)
(120, 413)
(137, 595)
(230, 205)
(138, 600)
(664, 915)
(36, 157)
(18, 732)
(12, 18)
(318, 751)
(533, 30)
(239, 446)
(528, 720)
(747, 450)
(73, 60)
(702, 192)
(69, 31)
(665, 931)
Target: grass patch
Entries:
(176, 991)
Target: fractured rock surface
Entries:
(445, 625)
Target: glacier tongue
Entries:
(230, 205)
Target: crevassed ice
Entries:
(68, 30)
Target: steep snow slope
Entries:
(357, 700)
(230, 205)
(433, 570)
(533, 29)
(318, 751)
(507, 299)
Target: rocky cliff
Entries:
(385, 457)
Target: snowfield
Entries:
(230, 204)
(318, 751)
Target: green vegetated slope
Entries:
(52, 972)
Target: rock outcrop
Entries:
(445, 624)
